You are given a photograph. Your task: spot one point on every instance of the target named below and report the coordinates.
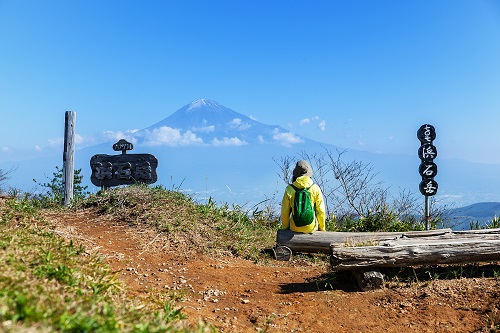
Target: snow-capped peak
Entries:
(202, 103)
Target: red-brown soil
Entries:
(237, 295)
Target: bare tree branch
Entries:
(5, 174)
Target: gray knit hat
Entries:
(302, 168)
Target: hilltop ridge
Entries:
(214, 151)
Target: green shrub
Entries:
(49, 284)
(54, 188)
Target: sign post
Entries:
(427, 169)
(123, 169)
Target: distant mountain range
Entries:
(206, 149)
(481, 213)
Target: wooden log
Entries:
(320, 241)
(402, 253)
(444, 239)
(477, 232)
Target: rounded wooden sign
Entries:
(428, 187)
(428, 169)
(426, 133)
(122, 145)
(427, 152)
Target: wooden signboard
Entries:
(124, 169)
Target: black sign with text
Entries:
(428, 187)
(123, 145)
(428, 170)
(124, 169)
(426, 133)
(427, 153)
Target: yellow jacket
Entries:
(317, 200)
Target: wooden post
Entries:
(427, 213)
(68, 157)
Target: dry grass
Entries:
(217, 229)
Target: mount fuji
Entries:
(209, 150)
(208, 123)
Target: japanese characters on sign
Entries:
(427, 153)
(428, 187)
(427, 169)
(124, 169)
(123, 145)
(426, 134)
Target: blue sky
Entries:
(361, 74)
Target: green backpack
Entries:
(303, 212)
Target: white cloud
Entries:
(321, 122)
(163, 136)
(6, 150)
(80, 139)
(56, 142)
(239, 124)
(117, 135)
(167, 136)
(235, 122)
(205, 129)
(308, 120)
(322, 125)
(228, 142)
(286, 139)
(261, 139)
(38, 148)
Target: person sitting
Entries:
(302, 180)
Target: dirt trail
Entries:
(239, 296)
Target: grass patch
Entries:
(48, 284)
(221, 229)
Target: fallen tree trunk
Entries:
(404, 252)
(320, 241)
(477, 232)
